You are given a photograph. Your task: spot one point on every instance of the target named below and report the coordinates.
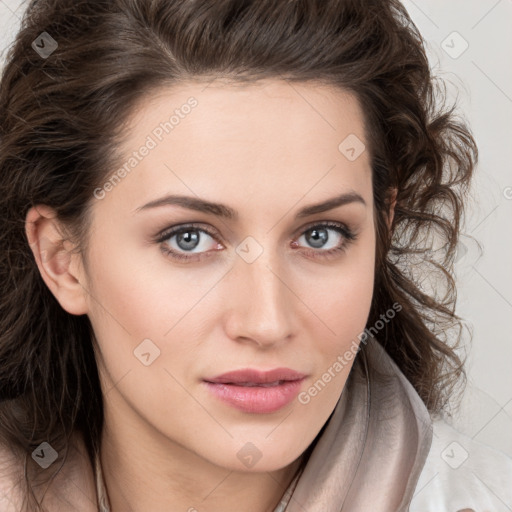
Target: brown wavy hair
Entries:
(62, 119)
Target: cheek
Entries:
(341, 306)
(135, 287)
(136, 294)
(342, 297)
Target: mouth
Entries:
(255, 377)
(255, 391)
(259, 384)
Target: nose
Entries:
(260, 305)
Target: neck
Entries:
(144, 470)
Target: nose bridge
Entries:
(261, 307)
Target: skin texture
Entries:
(266, 150)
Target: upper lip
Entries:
(252, 375)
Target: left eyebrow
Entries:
(330, 204)
(221, 210)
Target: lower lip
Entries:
(257, 399)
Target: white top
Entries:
(461, 473)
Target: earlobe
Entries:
(58, 266)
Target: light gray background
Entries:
(481, 76)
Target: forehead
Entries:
(267, 139)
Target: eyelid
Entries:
(166, 233)
(325, 223)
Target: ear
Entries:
(60, 269)
(392, 204)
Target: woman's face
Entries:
(259, 283)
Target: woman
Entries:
(214, 214)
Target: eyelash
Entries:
(348, 237)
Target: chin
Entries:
(259, 457)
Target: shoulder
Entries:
(72, 489)
(11, 477)
(462, 474)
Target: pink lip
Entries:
(255, 391)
